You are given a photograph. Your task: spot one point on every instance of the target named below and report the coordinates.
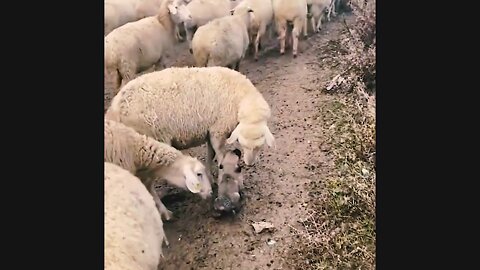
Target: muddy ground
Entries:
(275, 186)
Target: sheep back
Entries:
(180, 105)
(133, 228)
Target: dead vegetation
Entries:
(339, 232)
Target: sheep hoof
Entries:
(191, 51)
(282, 53)
(256, 59)
(168, 215)
(295, 56)
(166, 241)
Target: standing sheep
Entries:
(150, 159)
(263, 11)
(179, 4)
(290, 11)
(133, 228)
(203, 11)
(120, 12)
(188, 106)
(136, 46)
(223, 41)
(317, 10)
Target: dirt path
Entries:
(275, 185)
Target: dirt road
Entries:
(275, 185)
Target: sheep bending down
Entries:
(203, 11)
(137, 46)
(223, 41)
(188, 106)
(263, 17)
(133, 228)
(150, 159)
(290, 11)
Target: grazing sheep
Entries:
(188, 106)
(149, 159)
(230, 182)
(120, 12)
(290, 11)
(317, 10)
(223, 41)
(133, 228)
(137, 46)
(203, 11)
(263, 17)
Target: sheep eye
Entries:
(199, 174)
(220, 167)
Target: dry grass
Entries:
(340, 228)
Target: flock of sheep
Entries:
(154, 116)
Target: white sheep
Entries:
(150, 160)
(223, 41)
(202, 12)
(317, 10)
(188, 106)
(120, 12)
(263, 17)
(134, 232)
(179, 4)
(290, 11)
(137, 46)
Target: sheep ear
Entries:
(270, 140)
(192, 183)
(234, 136)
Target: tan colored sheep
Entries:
(120, 12)
(133, 228)
(151, 160)
(202, 12)
(317, 10)
(290, 11)
(263, 17)
(188, 106)
(137, 46)
(223, 41)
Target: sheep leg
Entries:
(127, 72)
(297, 27)
(281, 30)
(164, 212)
(260, 33)
(160, 64)
(312, 20)
(237, 66)
(177, 33)
(319, 23)
(332, 9)
(210, 156)
(189, 34)
(304, 26)
(218, 144)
